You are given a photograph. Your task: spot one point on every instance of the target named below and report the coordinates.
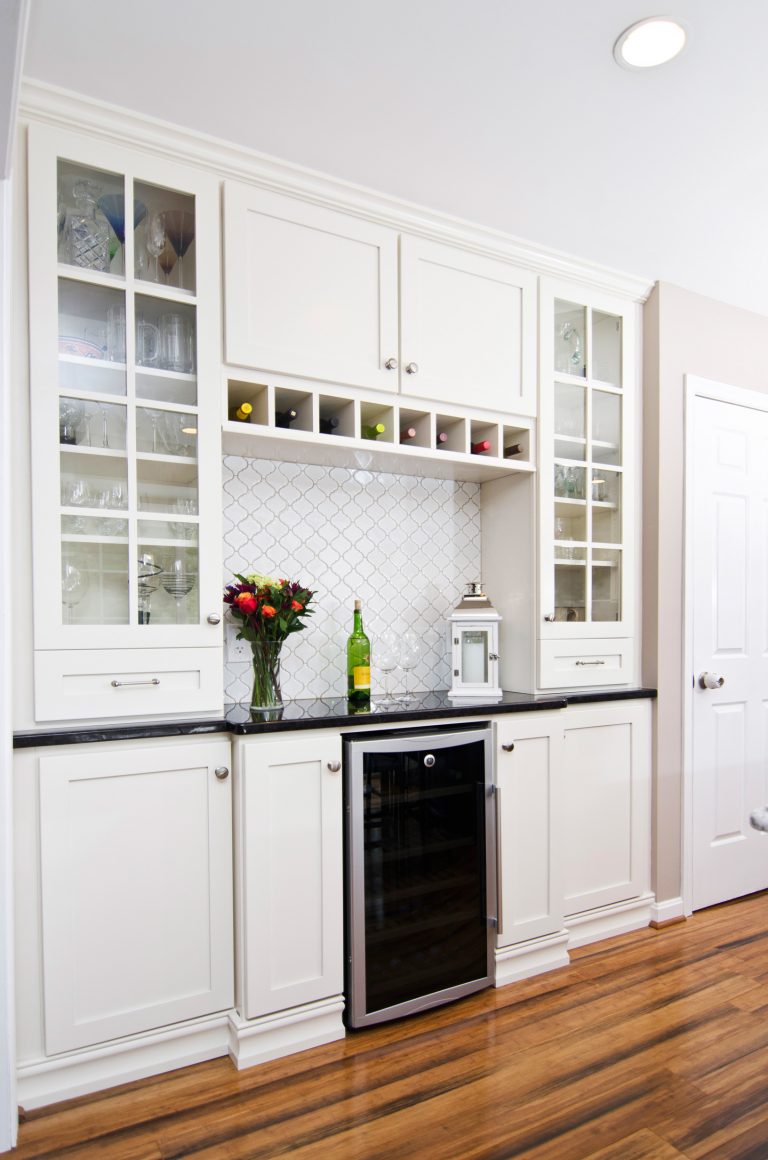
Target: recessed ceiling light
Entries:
(652, 41)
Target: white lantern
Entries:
(474, 626)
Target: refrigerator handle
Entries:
(497, 823)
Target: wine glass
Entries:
(148, 573)
(410, 655)
(74, 585)
(178, 582)
(180, 230)
(386, 655)
(112, 205)
(156, 240)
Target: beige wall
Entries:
(684, 334)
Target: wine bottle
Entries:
(372, 430)
(407, 433)
(285, 418)
(241, 412)
(513, 449)
(358, 662)
(329, 425)
(441, 438)
(480, 447)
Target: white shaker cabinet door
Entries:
(289, 872)
(309, 291)
(529, 760)
(606, 798)
(467, 328)
(136, 857)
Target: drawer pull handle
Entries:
(508, 748)
(590, 662)
(122, 684)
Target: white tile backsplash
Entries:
(404, 545)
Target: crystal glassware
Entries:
(88, 235)
(180, 230)
(112, 205)
(155, 240)
(74, 585)
(410, 654)
(148, 573)
(178, 582)
(386, 656)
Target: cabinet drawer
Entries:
(569, 664)
(127, 682)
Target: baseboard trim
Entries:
(667, 913)
(254, 1041)
(92, 1069)
(608, 921)
(534, 957)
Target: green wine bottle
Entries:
(358, 662)
(372, 430)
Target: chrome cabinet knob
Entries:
(508, 748)
(222, 772)
(391, 364)
(711, 681)
(213, 618)
(412, 368)
(550, 618)
(334, 766)
(429, 760)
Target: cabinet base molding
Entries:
(608, 921)
(78, 1073)
(534, 957)
(668, 912)
(255, 1041)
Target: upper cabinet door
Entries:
(309, 291)
(467, 328)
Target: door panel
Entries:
(729, 513)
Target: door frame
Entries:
(695, 388)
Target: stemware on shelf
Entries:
(74, 585)
(180, 230)
(156, 240)
(178, 582)
(112, 205)
(148, 573)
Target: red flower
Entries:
(296, 606)
(268, 610)
(247, 603)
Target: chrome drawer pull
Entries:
(499, 868)
(122, 684)
(590, 662)
(508, 748)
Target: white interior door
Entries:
(728, 510)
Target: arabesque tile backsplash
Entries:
(406, 546)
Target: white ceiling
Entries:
(509, 113)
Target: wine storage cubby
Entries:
(275, 420)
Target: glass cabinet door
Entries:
(586, 369)
(115, 328)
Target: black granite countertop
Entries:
(325, 712)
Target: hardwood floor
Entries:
(652, 1046)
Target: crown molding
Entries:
(71, 111)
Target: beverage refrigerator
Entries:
(420, 869)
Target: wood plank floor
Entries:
(652, 1046)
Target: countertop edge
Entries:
(88, 734)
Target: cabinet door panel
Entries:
(469, 324)
(528, 778)
(136, 889)
(308, 291)
(606, 792)
(291, 871)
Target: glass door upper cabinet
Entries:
(116, 356)
(585, 365)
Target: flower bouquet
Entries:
(267, 611)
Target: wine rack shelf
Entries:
(336, 430)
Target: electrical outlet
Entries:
(237, 650)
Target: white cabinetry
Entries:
(605, 811)
(313, 292)
(289, 887)
(136, 889)
(124, 362)
(586, 487)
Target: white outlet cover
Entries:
(238, 651)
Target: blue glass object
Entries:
(112, 205)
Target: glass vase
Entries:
(266, 674)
